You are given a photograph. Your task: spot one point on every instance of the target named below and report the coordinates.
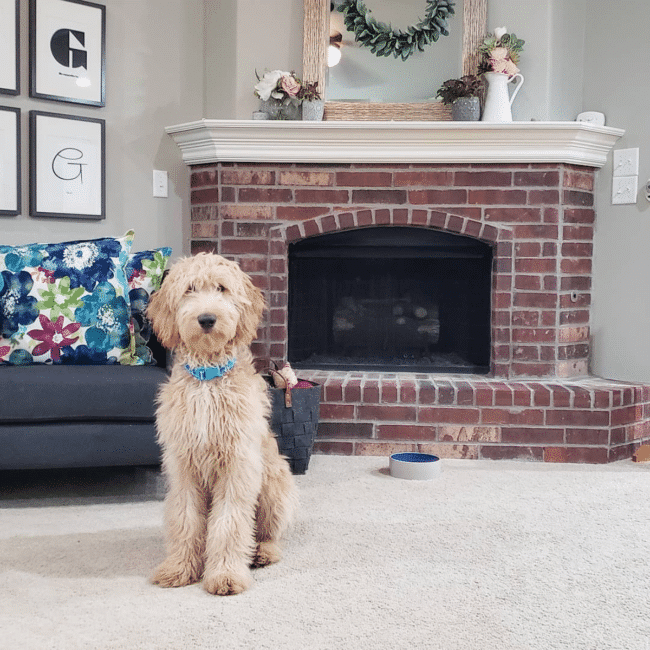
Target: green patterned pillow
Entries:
(66, 303)
(144, 273)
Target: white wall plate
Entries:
(626, 162)
(624, 189)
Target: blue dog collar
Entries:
(211, 372)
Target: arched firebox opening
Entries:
(401, 299)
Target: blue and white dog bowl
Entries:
(414, 466)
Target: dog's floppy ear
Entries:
(251, 313)
(161, 311)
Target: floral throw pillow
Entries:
(144, 273)
(66, 303)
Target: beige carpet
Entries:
(501, 555)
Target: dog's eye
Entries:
(220, 288)
(190, 289)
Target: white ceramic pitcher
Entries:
(498, 101)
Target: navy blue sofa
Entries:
(63, 416)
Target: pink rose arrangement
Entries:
(277, 84)
(290, 85)
(285, 86)
(500, 52)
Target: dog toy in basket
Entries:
(286, 378)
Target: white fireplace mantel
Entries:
(209, 141)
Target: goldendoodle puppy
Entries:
(231, 495)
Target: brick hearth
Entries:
(539, 401)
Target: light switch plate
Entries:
(160, 183)
(626, 162)
(624, 189)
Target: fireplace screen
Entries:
(393, 298)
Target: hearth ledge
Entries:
(210, 141)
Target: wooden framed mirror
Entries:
(314, 65)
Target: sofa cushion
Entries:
(144, 273)
(66, 303)
(79, 444)
(60, 393)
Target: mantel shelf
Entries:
(210, 141)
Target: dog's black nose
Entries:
(207, 321)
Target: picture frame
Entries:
(67, 166)
(10, 156)
(67, 51)
(9, 47)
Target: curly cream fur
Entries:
(231, 495)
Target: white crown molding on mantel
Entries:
(210, 141)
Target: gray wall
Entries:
(617, 83)
(154, 77)
(551, 62)
(243, 36)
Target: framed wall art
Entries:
(10, 157)
(67, 51)
(9, 47)
(67, 166)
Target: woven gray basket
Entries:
(295, 425)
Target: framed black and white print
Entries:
(67, 51)
(67, 166)
(9, 47)
(10, 161)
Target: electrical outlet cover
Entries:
(624, 189)
(626, 162)
(160, 183)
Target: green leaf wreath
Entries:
(383, 40)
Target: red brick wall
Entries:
(539, 219)
(538, 402)
(579, 420)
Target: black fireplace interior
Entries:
(390, 298)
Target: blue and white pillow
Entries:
(66, 303)
(144, 273)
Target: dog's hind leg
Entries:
(276, 507)
(185, 518)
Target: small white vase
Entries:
(498, 101)
(313, 110)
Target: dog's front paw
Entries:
(227, 583)
(172, 574)
(267, 553)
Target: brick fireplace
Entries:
(538, 401)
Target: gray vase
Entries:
(278, 109)
(466, 109)
(313, 110)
